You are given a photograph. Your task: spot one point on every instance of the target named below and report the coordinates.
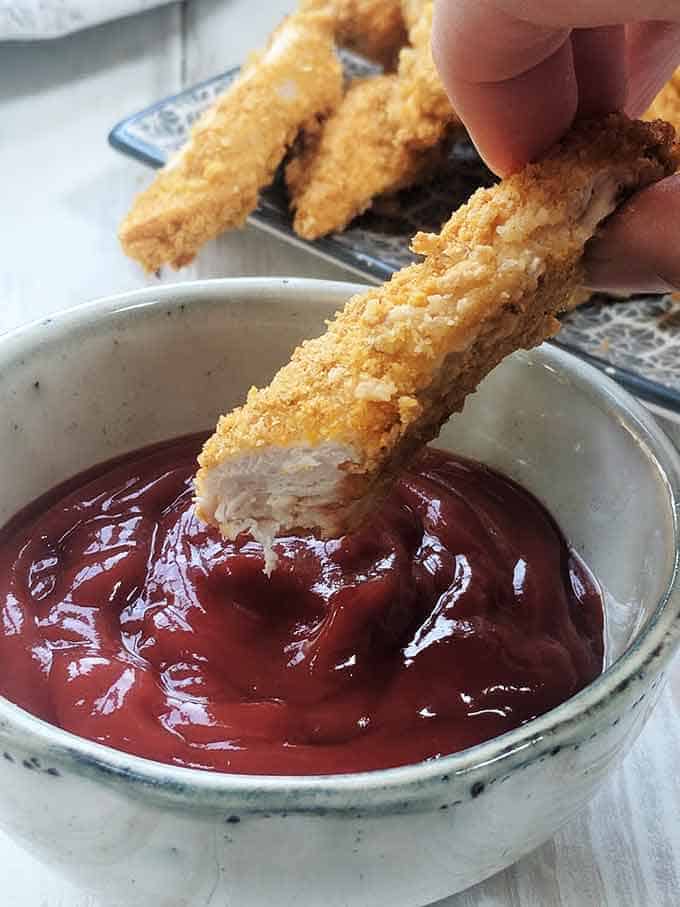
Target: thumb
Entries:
(637, 250)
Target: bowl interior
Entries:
(556, 428)
(124, 373)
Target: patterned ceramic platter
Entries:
(636, 341)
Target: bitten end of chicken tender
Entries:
(234, 150)
(320, 446)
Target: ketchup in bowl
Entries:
(457, 614)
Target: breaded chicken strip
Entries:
(666, 105)
(373, 28)
(383, 137)
(235, 148)
(352, 159)
(322, 443)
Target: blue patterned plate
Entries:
(635, 341)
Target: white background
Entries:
(62, 194)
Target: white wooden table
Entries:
(62, 194)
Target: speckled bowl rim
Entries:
(397, 789)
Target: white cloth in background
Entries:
(28, 20)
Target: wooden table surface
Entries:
(63, 192)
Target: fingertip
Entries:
(652, 51)
(600, 64)
(518, 120)
(512, 84)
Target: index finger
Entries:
(518, 70)
(511, 82)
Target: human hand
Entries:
(519, 71)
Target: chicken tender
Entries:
(321, 445)
(234, 150)
(400, 122)
(336, 176)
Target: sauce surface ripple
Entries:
(458, 614)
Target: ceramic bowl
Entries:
(124, 372)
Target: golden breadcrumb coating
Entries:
(666, 105)
(354, 405)
(423, 108)
(235, 148)
(412, 10)
(353, 158)
(373, 28)
(385, 135)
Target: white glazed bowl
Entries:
(121, 373)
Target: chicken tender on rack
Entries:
(235, 148)
(323, 442)
(336, 177)
(401, 122)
